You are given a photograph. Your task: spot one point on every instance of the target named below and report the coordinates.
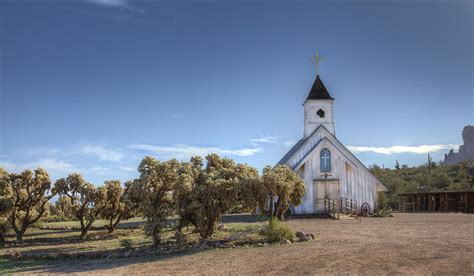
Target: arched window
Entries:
(320, 113)
(325, 160)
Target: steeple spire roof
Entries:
(319, 91)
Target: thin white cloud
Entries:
(98, 170)
(421, 149)
(47, 164)
(289, 143)
(177, 116)
(110, 3)
(128, 168)
(101, 152)
(182, 151)
(264, 140)
(122, 4)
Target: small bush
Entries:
(54, 218)
(383, 212)
(236, 209)
(276, 231)
(127, 243)
(383, 201)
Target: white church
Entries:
(329, 169)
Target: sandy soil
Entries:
(406, 243)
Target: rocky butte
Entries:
(466, 151)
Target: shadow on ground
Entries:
(83, 264)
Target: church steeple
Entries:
(318, 109)
(319, 91)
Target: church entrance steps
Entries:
(341, 208)
(348, 217)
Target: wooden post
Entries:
(429, 203)
(447, 207)
(465, 202)
(338, 210)
(417, 200)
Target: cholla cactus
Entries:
(155, 185)
(86, 201)
(116, 204)
(29, 193)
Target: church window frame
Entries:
(325, 160)
(320, 113)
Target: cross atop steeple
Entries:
(316, 59)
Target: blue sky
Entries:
(93, 86)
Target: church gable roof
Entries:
(319, 91)
(297, 146)
(292, 151)
(333, 140)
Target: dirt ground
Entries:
(406, 243)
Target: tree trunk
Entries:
(2, 240)
(113, 225)
(83, 233)
(110, 227)
(281, 215)
(19, 236)
(277, 207)
(271, 208)
(156, 235)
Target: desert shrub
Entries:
(54, 218)
(276, 231)
(383, 212)
(382, 201)
(4, 228)
(126, 243)
(236, 209)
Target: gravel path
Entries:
(406, 243)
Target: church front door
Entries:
(325, 188)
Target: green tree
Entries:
(86, 201)
(30, 192)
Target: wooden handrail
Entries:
(342, 205)
(328, 209)
(349, 206)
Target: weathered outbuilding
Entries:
(437, 201)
